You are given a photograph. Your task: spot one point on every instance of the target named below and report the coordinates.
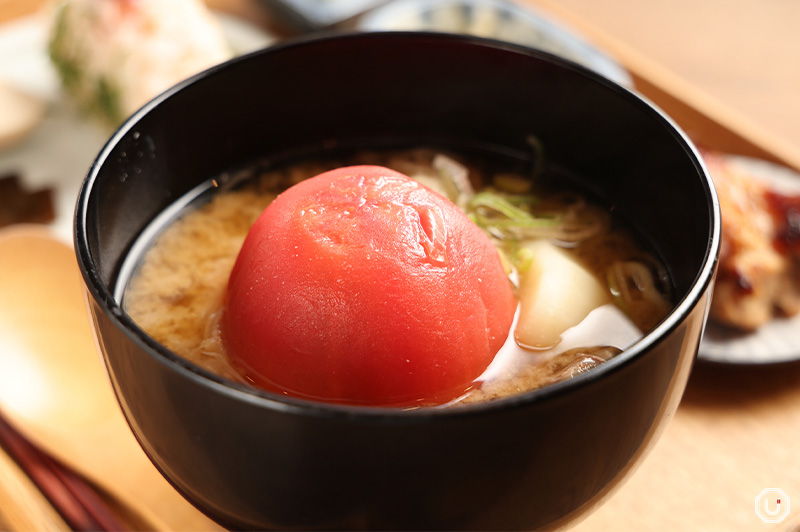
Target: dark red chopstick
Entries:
(76, 501)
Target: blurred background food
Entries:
(759, 268)
(21, 113)
(72, 70)
(113, 57)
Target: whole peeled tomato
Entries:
(362, 286)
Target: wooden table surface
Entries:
(728, 71)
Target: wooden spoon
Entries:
(53, 385)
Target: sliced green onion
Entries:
(488, 199)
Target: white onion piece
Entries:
(556, 293)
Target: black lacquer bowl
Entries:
(253, 460)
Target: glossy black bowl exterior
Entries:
(254, 460)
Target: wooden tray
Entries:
(709, 123)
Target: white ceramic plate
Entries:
(309, 15)
(497, 19)
(59, 152)
(779, 339)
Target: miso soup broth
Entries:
(175, 285)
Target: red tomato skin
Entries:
(362, 286)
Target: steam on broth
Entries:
(178, 289)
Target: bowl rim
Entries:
(94, 287)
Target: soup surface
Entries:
(177, 291)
